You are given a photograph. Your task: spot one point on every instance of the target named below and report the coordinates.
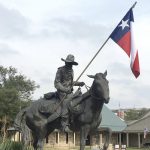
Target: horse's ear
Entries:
(91, 76)
(105, 73)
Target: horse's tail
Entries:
(20, 125)
(19, 119)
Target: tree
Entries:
(15, 92)
(133, 114)
(143, 111)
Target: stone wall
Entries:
(70, 140)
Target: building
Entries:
(136, 134)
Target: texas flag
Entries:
(123, 36)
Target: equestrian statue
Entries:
(65, 110)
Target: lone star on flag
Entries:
(124, 24)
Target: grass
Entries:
(11, 145)
(86, 148)
(133, 149)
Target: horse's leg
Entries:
(83, 136)
(108, 133)
(35, 141)
(41, 132)
(40, 143)
(38, 138)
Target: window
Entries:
(57, 137)
(66, 138)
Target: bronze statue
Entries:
(64, 84)
(86, 120)
(43, 116)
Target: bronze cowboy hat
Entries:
(70, 59)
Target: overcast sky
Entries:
(36, 34)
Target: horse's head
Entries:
(100, 87)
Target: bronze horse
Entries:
(85, 122)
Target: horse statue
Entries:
(85, 121)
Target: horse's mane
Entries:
(86, 94)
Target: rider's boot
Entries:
(65, 124)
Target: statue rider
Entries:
(64, 84)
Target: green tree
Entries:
(143, 112)
(133, 114)
(15, 92)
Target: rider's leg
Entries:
(65, 121)
(65, 116)
(52, 117)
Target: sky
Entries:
(36, 34)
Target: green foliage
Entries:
(10, 145)
(15, 92)
(142, 112)
(9, 102)
(131, 115)
(134, 114)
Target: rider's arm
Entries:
(78, 83)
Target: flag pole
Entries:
(97, 52)
(134, 5)
(92, 59)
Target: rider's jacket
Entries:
(63, 80)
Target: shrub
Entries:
(11, 145)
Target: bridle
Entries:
(90, 93)
(96, 97)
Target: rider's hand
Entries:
(68, 90)
(82, 84)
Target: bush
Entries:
(11, 145)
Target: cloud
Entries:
(74, 29)
(6, 50)
(142, 91)
(119, 69)
(12, 23)
(125, 89)
(129, 92)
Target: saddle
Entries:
(76, 106)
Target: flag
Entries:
(145, 132)
(123, 36)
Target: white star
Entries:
(124, 24)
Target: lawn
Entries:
(146, 148)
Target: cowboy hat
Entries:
(70, 59)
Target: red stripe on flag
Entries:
(125, 43)
(136, 67)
